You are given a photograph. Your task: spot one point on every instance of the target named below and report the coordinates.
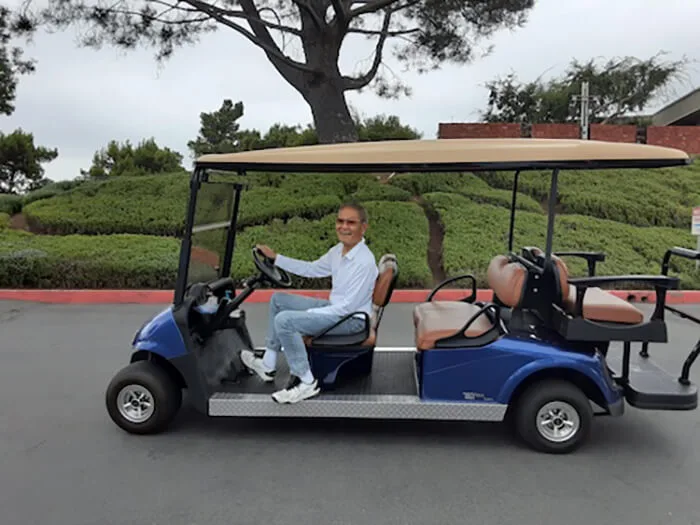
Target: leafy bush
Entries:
(156, 204)
(474, 234)
(138, 261)
(375, 191)
(4, 221)
(149, 204)
(50, 190)
(465, 184)
(74, 261)
(654, 197)
(10, 204)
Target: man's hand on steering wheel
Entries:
(266, 251)
(264, 259)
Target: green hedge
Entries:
(115, 261)
(155, 205)
(476, 233)
(138, 261)
(465, 184)
(4, 220)
(150, 204)
(10, 204)
(654, 197)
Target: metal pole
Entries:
(584, 110)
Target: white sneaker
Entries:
(255, 364)
(296, 390)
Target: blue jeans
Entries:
(289, 321)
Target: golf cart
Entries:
(537, 355)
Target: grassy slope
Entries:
(630, 249)
(294, 214)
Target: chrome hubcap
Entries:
(135, 403)
(558, 421)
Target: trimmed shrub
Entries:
(74, 261)
(474, 234)
(654, 197)
(50, 190)
(10, 204)
(138, 261)
(156, 204)
(465, 184)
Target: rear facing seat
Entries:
(598, 304)
(435, 320)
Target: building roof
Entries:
(682, 112)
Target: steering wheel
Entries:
(271, 272)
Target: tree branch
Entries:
(360, 82)
(341, 13)
(241, 14)
(156, 17)
(371, 7)
(302, 4)
(387, 33)
(260, 37)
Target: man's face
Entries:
(349, 227)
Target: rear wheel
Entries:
(553, 416)
(142, 398)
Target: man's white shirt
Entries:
(354, 275)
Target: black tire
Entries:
(577, 409)
(165, 395)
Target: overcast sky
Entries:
(80, 98)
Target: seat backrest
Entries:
(516, 286)
(561, 272)
(507, 279)
(384, 287)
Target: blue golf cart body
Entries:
(539, 354)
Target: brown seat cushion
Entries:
(435, 320)
(601, 305)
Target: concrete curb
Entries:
(263, 296)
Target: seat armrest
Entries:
(662, 284)
(469, 299)
(591, 258)
(344, 339)
(685, 252)
(659, 281)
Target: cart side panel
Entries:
(493, 373)
(162, 336)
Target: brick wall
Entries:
(686, 138)
(478, 130)
(555, 131)
(612, 133)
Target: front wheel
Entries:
(142, 398)
(553, 417)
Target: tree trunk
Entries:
(331, 114)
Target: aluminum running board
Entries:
(385, 406)
(389, 392)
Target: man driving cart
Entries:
(353, 269)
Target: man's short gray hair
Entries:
(362, 212)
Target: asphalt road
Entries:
(63, 462)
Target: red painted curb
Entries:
(263, 296)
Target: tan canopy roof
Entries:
(450, 154)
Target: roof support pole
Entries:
(186, 244)
(512, 211)
(550, 213)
